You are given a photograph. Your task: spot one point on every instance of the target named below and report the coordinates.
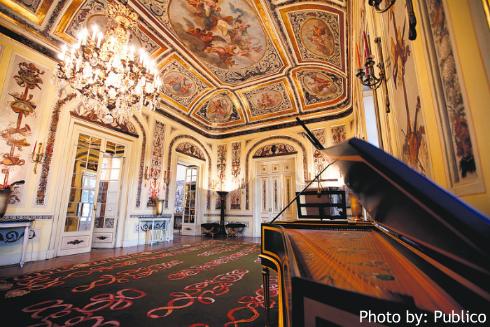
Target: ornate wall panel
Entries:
(400, 67)
(21, 112)
(236, 193)
(221, 171)
(339, 134)
(156, 165)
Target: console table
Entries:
(16, 224)
(154, 222)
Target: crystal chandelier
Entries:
(105, 71)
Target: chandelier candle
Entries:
(106, 76)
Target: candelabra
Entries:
(367, 76)
(38, 157)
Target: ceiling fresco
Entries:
(228, 66)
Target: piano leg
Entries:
(265, 281)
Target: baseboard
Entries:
(12, 259)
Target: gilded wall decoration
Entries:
(339, 134)
(271, 99)
(413, 145)
(236, 194)
(156, 165)
(21, 112)
(169, 163)
(320, 88)
(221, 171)
(142, 164)
(53, 128)
(317, 33)
(91, 114)
(181, 84)
(219, 109)
(247, 162)
(319, 160)
(227, 37)
(190, 150)
(34, 10)
(273, 150)
(461, 153)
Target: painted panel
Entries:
(407, 107)
(460, 151)
(21, 111)
(156, 166)
(103, 237)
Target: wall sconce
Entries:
(147, 176)
(412, 33)
(38, 157)
(366, 74)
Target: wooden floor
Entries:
(101, 254)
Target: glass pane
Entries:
(116, 162)
(76, 180)
(71, 224)
(103, 186)
(79, 166)
(72, 209)
(99, 222)
(86, 209)
(81, 154)
(88, 182)
(193, 178)
(112, 198)
(115, 174)
(105, 174)
(84, 140)
(106, 210)
(113, 186)
(75, 195)
(93, 157)
(110, 147)
(95, 144)
(84, 224)
(88, 196)
(120, 150)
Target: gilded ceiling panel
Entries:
(85, 14)
(220, 109)
(317, 34)
(182, 85)
(272, 99)
(319, 88)
(228, 37)
(34, 10)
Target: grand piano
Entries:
(423, 259)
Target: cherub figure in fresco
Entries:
(180, 85)
(219, 108)
(319, 84)
(266, 101)
(225, 53)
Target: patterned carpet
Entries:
(211, 283)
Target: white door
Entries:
(108, 196)
(275, 189)
(91, 192)
(190, 201)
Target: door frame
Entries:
(256, 223)
(201, 191)
(65, 175)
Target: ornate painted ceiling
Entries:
(228, 67)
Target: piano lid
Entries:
(410, 205)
